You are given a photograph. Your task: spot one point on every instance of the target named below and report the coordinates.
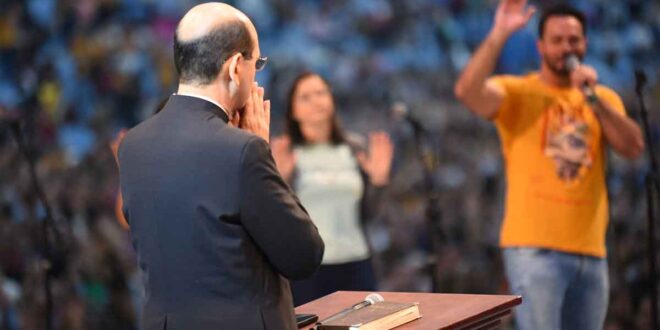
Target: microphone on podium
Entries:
(370, 299)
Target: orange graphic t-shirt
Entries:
(554, 153)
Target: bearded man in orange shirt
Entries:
(554, 126)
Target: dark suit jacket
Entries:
(215, 227)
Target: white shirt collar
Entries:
(206, 99)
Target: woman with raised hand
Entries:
(338, 178)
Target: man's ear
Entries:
(234, 68)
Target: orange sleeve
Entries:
(611, 98)
(506, 113)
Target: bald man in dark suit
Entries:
(216, 229)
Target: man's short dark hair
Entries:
(561, 9)
(199, 61)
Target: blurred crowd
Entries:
(77, 71)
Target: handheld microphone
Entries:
(572, 62)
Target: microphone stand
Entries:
(652, 182)
(46, 224)
(428, 159)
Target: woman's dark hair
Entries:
(292, 127)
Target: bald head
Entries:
(204, 18)
(206, 36)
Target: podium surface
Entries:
(439, 310)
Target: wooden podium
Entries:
(439, 311)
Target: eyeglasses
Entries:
(261, 63)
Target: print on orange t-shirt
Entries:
(567, 142)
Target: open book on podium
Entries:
(381, 315)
